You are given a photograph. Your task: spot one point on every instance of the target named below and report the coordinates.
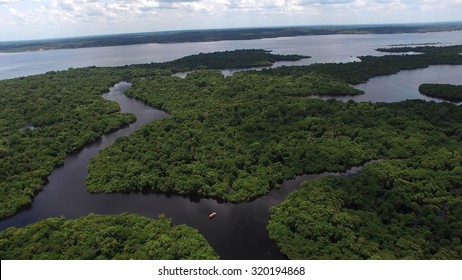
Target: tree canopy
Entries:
(396, 209)
(45, 117)
(124, 236)
(42, 119)
(236, 138)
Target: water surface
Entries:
(404, 85)
(322, 48)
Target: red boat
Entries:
(212, 215)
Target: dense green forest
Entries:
(444, 91)
(45, 117)
(396, 209)
(236, 138)
(232, 138)
(104, 237)
(220, 35)
(42, 119)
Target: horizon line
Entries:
(231, 28)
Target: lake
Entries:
(324, 48)
(404, 85)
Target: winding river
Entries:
(239, 230)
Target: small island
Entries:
(446, 92)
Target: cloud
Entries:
(81, 17)
(67, 6)
(324, 2)
(177, 1)
(8, 1)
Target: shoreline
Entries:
(216, 35)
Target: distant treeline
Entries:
(219, 35)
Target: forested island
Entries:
(238, 137)
(100, 237)
(182, 36)
(225, 60)
(444, 91)
(396, 209)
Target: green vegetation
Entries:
(66, 111)
(104, 237)
(437, 50)
(220, 35)
(397, 209)
(444, 91)
(233, 138)
(236, 138)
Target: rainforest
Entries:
(235, 139)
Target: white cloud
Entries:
(8, 1)
(324, 2)
(80, 17)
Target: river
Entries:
(238, 231)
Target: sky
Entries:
(35, 19)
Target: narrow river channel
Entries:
(237, 232)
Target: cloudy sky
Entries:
(33, 19)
